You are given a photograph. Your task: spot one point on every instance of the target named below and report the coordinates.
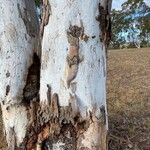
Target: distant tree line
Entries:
(131, 25)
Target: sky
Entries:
(117, 3)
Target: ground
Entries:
(128, 97)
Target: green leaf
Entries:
(37, 2)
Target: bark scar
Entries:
(7, 89)
(28, 22)
(105, 24)
(73, 59)
(45, 16)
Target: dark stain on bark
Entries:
(67, 136)
(105, 24)
(46, 11)
(84, 148)
(73, 59)
(54, 123)
(75, 31)
(49, 93)
(7, 89)
(103, 114)
(54, 106)
(104, 67)
(93, 37)
(29, 17)
(7, 74)
(32, 86)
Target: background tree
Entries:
(117, 39)
(132, 28)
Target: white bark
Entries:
(18, 36)
(73, 74)
(90, 79)
(82, 84)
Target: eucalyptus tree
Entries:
(53, 77)
(132, 25)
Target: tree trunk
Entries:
(18, 40)
(70, 112)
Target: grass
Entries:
(128, 97)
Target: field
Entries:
(128, 97)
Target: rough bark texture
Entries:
(70, 112)
(73, 68)
(45, 16)
(18, 43)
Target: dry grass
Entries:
(129, 99)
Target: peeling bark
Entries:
(105, 21)
(74, 68)
(69, 111)
(73, 58)
(46, 10)
(18, 43)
